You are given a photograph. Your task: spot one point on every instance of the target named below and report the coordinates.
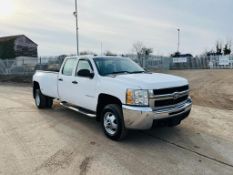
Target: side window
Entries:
(83, 64)
(68, 67)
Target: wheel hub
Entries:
(110, 123)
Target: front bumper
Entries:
(142, 118)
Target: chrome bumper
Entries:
(142, 117)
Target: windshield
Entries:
(116, 65)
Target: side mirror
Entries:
(85, 73)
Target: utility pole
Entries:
(178, 47)
(77, 29)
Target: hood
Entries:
(151, 81)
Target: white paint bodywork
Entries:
(48, 83)
(85, 94)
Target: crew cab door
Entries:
(65, 79)
(84, 89)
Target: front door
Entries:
(84, 91)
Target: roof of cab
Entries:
(92, 56)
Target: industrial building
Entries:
(17, 46)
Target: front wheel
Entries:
(113, 122)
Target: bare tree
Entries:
(219, 48)
(227, 49)
(229, 46)
(109, 53)
(138, 48)
(147, 51)
(87, 53)
(61, 58)
(230, 43)
(142, 52)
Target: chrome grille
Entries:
(159, 103)
(170, 96)
(170, 90)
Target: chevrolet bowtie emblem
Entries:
(176, 96)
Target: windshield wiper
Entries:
(120, 72)
(137, 72)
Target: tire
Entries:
(40, 99)
(49, 102)
(112, 122)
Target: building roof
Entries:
(13, 37)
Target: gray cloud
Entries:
(118, 24)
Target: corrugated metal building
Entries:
(16, 46)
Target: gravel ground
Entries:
(60, 141)
(212, 88)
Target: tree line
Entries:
(139, 49)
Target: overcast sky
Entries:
(120, 23)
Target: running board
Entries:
(66, 105)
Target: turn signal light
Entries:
(129, 97)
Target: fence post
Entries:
(7, 69)
(23, 67)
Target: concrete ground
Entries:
(60, 141)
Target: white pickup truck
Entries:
(116, 91)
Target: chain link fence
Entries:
(203, 62)
(159, 63)
(27, 66)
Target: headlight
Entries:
(137, 97)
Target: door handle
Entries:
(60, 79)
(74, 82)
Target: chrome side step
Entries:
(66, 105)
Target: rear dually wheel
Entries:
(42, 101)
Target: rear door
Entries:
(65, 79)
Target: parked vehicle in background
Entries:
(116, 91)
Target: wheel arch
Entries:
(103, 100)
